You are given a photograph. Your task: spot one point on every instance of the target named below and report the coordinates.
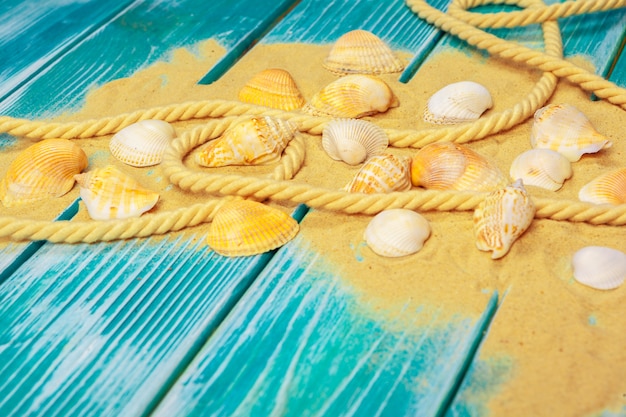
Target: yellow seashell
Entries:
(361, 52)
(608, 188)
(274, 88)
(244, 228)
(43, 170)
(108, 193)
(142, 144)
(382, 174)
(352, 96)
(256, 141)
(353, 141)
(449, 166)
(460, 102)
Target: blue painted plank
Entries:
(618, 73)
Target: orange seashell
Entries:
(608, 188)
(274, 88)
(382, 174)
(43, 170)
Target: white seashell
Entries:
(543, 168)
(143, 143)
(397, 232)
(382, 174)
(353, 141)
(599, 267)
(464, 101)
(608, 188)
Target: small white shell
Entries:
(543, 168)
(397, 232)
(464, 101)
(608, 188)
(353, 141)
(143, 143)
(599, 267)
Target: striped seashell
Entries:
(608, 188)
(565, 129)
(543, 168)
(273, 88)
(352, 96)
(353, 141)
(108, 193)
(397, 232)
(244, 228)
(382, 174)
(502, 217)
(450, 166)
(460, 102)
(256, 141)
(599, 267)
(361, 52)
(142, 144)
(44, 170)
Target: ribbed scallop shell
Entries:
(142, 144)
(608, 188)
(352, 96)
(382, 174)
(273, 87)
(543, 168)
(502, 217)
(449, 166)
(108, 193)
(565, 129)
(256, 141)
(44, 170)
(244, 228)
(397, 232)
(361, 52)
(599, 267)
(464, 101)
(353, 141)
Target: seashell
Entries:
(352, 96)
(108, 193)
(142, 144)
(565, 129)
(397, 232)
(543, 168)
(256, 141)
(382, 174)
(274, 88)
(502, 217)
(361, 52)
(599, 267)
(44, 170)
(353, 141)
(244, 227)
(608, 188)
(460, 102)
(449, 166)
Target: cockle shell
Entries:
(109, 193)
(543, 168)
(450, 166)
(502, 217)
(565, 129)
(244, 228)
(142, 144)
(361, 52)
(397, 232)
(599, 267)
(352, 96)
(273, 87)
(44, 170)
(256, 141)
(353, 140)
(464, 101)
(382, 174)
(608, 188)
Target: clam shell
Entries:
(273, 87)
(565, 129)
(460, 102)
(353, 141)
(244, 228)
(143, 143)
(361, 52)
(599, 267)
(352, 96)
(543, 168)
(608, 188)
(44, 170)
(501, 218)
(256, 141)
(449, 166)
(397, 232)
(108, 193)
(382, 174)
